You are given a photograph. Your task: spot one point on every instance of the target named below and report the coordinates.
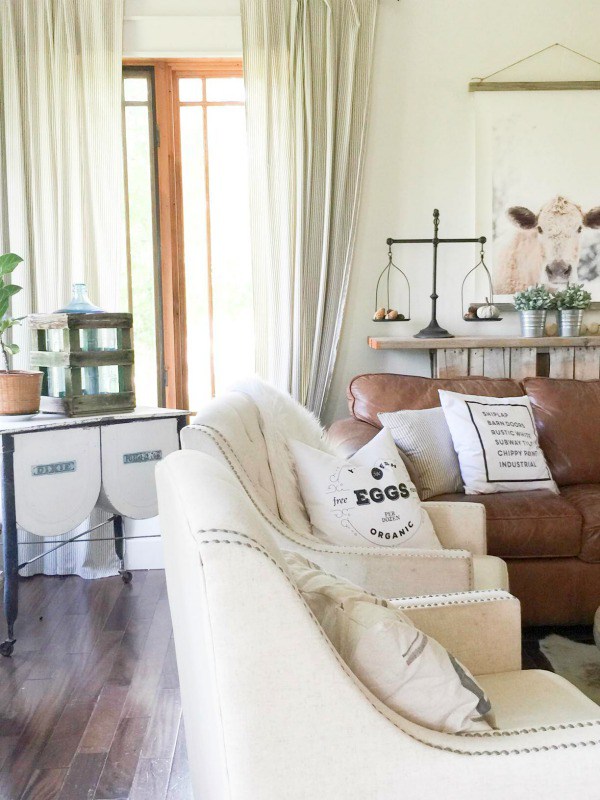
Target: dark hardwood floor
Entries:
(89, 701)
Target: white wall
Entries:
(421, 151)
(180, 28)
(421, 139)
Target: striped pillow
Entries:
(424, 438)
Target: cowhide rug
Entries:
(578, 663)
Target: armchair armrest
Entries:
(481, 629)
(385, 571)
(459, 525)
(392, 572)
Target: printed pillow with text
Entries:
(496, 443)
(368, 499)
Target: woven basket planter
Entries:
(20, 392)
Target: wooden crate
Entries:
(76, 363)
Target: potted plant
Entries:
(570, 304)
(19, 390)
(533, 304)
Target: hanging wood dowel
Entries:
(485, 85)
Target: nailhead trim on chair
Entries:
(254, 545)
(213, 434)
(449, 602)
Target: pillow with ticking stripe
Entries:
(406, 669)
(424, 438)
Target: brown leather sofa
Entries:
(550, 542)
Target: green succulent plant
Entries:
(8, 263)
(535, 298)
(574, 296)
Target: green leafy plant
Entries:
(8, 263)
(574, 296)
(535, 298)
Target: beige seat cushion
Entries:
(534, 698)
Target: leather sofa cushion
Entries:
(369, 394)
(535, 524)
(586, 499)
(567, 415)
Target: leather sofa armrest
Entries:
(349, 435)
(456, 529)
(481, 629)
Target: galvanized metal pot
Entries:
(569, 321)
(533, 323)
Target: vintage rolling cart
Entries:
(55, 470)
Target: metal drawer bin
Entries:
(130, 453)
(57, 479)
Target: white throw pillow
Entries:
(423, 436)
(368, 499)
(403, 667)
(497, 443)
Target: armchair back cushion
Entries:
(371, 394)
(567, 416)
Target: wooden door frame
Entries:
(170, 207)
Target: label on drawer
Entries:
(142, 456)
(58, 468)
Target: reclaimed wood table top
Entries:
(476, 342)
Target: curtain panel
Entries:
(307, 67)
(62, 204)
(61, 192)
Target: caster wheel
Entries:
(126, 576)
(7, 647)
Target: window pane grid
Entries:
(216, 319)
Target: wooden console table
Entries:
(504, 356)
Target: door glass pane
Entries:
(141, 251)
(135, 89)
(195, 253)
(190, 90)
(220, 89)
(230, 249)
(143, 293)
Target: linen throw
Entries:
(307, 67)
(61, 186)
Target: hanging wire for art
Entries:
(480, 312)
(386, 312)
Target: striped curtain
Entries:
(307, 66)
(61, 149)
(61, 183)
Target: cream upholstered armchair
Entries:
(241, 431)
(272, 712)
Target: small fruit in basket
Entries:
(379, 314)
(391, 314)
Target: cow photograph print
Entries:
(538, 194)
